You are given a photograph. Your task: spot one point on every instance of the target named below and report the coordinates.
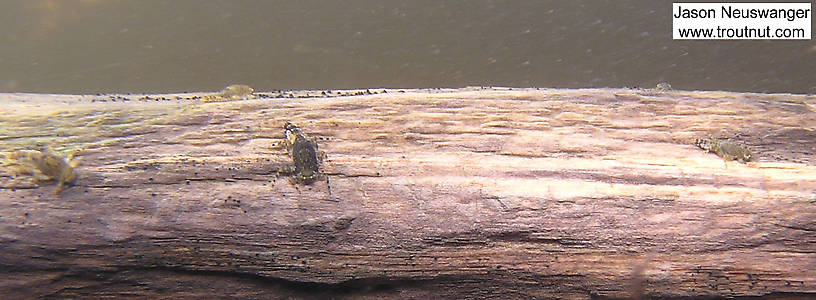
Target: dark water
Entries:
(90, 46)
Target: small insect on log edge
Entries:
(44, 165)
(727, 149)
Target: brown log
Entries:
(467, 193)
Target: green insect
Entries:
(232, 92)
(728, 149)
(663, 87)
(43, 165)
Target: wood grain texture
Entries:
(467, 193)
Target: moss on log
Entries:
(476, 193)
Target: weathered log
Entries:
(476, 193)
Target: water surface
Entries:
(92, 46)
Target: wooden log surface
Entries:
(464, 193)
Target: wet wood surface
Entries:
(466, 193)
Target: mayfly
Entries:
(43, 165)
(305, 156)
(728, 149)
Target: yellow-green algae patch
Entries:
(75, 127)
